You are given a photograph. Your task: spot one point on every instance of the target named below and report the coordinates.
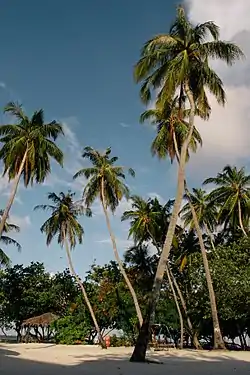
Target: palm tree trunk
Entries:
(218, 340)
(177, 305)
(210, 236)
(240, 219)
(184, 306)
(13, 194)
(118, 259)
(139, 353)
(72, 270)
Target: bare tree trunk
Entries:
(218, 340)
(12, 195)
(72, 270)
(184, 306)
(139, 353)
(177, 305)
(240, 219)
(118, 259)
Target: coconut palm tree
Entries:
(206, 212)
(179, 62)
(27, 148)
(64, 224)
(148, 223)
(172, 129)
(232, 195)
(6, 240)
(106, 182)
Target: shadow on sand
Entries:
(11, 364)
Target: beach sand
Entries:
(41, 359)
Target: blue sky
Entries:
(75, 60)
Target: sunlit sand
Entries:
(39, 359)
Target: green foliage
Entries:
(105, 178)
(6, 241)
(71, 330)
(31, 291)
(31, 135)
(63, 222)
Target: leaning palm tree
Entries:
(105, 181)
(206, 212)
(179, 62)
(27, 148)
(148, 223)
(64, 224)
(6, 240)
(232, 195)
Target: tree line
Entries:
(175, 68)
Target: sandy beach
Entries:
(48, 359)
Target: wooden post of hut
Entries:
(36, 323)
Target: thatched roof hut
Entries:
(43, 320)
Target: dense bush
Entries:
(70, 331)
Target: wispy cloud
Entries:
(124, 125)
(122, 243)
(23, 222)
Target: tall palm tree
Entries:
(64, 224)
(179, 62)
(148, 222)
(27, 148)
(106, 182)
(147, 218)
(206, 212)
(232, 195)
(6, 240)
(172, 129)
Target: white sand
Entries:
(41, 359)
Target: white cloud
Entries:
(22, 221)
(124, 125)
(6, 189)
(2, 85)
(158, 196)
(121, 243)
(226, 137)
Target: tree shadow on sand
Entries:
(11, 364)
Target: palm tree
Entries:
(206, 212)
(232, 195)
(6, 240)
(172, 129)
(27, 148)
(179, 62)
(148, 221)
(105, 181)
(64, 224)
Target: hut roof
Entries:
(41, 320)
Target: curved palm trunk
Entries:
(118, 259)
(184, 306)
(72, 270)
(218, 340)
(171, 277)
(177, 305)
(12, 195)
(139, 353)
(240, 219)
